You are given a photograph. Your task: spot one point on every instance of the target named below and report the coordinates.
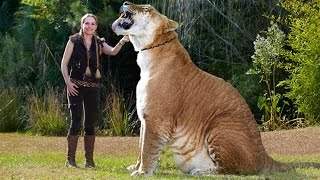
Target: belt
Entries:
(84, 83)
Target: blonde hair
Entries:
(89, 15)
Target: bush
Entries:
(119, 114)
(11, 119)
(266, 63)
(304, 21)
(46, 116)
(13, 69)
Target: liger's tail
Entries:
(279, 166)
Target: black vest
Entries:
(78, 59)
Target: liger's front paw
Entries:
(140, 173)
(131, 168)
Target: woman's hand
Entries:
(72, 89)
(125, 39)
(111, 51)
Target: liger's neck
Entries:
(140, 43)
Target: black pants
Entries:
(84, 106)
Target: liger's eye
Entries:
(146, 9)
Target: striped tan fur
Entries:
(200, 117)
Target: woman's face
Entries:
(89, 25)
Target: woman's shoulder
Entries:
(75, 38)
(100, 40)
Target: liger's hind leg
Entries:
(209, 170)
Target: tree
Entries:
(304, 64)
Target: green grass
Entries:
(38, 157)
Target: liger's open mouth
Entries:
(125, 20)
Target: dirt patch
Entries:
(305, 141)
(23, 144)
(117, 145)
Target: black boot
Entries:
(72, 148)
(89, 147)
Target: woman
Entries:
(82, 53)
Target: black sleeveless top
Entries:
(78, 59)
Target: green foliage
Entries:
(250, 88)
(16, 52)
(7, 9)
(266, 60)
(14, 69)
(48, 37)
(46, 114)
(304, 67)
(48, 68)
(11, 111)
(4, 16)
(119, 113)
(77, 11)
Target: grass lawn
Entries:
(37, 157)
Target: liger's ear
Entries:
(171, 26)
